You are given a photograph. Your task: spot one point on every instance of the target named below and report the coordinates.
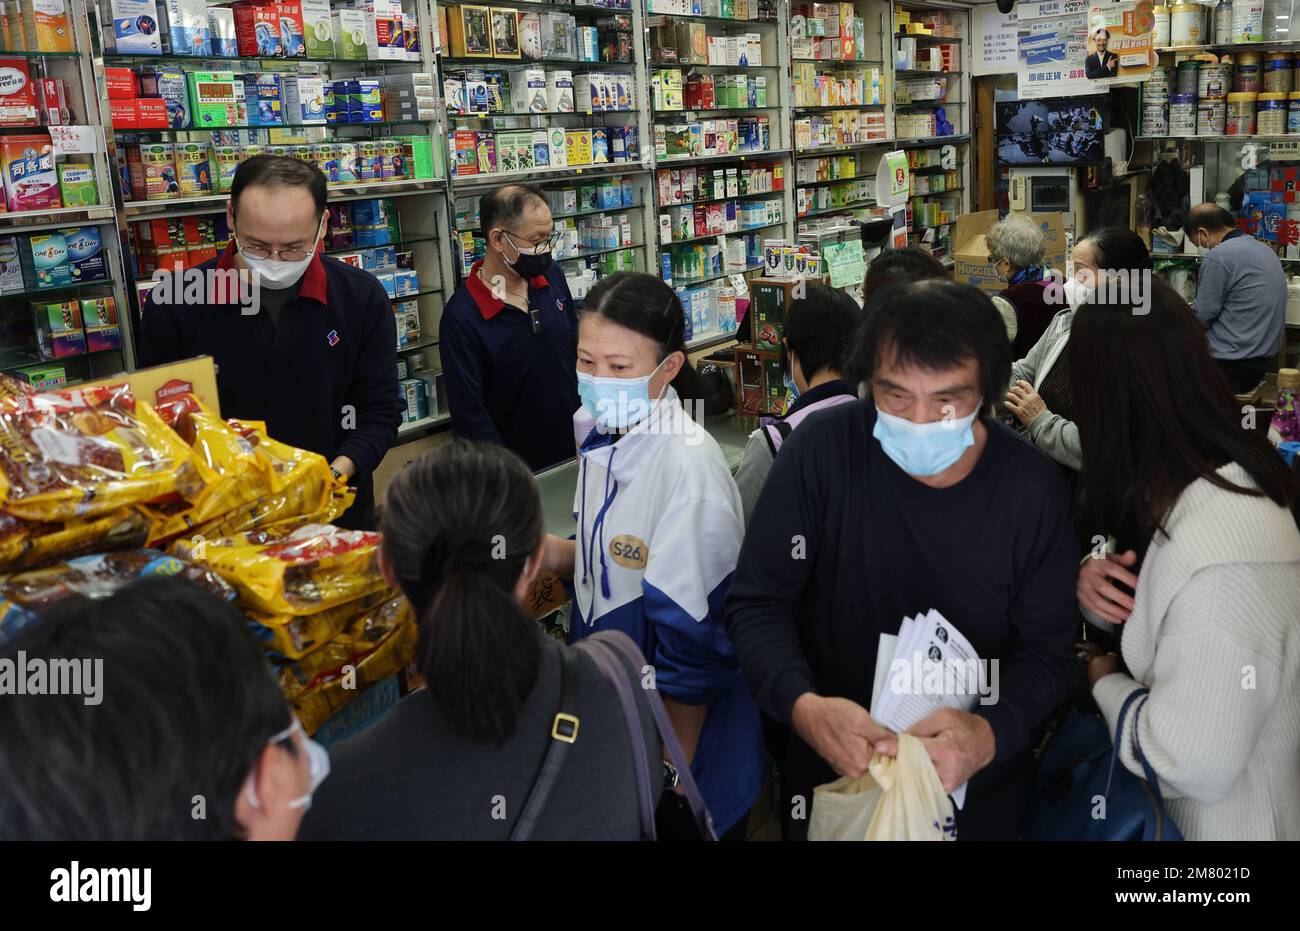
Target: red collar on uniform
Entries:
(312, 285)
(488, 304)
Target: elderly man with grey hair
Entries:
(1016, 247)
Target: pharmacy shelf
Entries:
(546, 113)
(840, 62)
(705, 111)
(929, 104)
(922, 73)
(170, 131)
(434, 420)
(25, 54)
(941, 40)
(687, 66)
(45, 292)
(721, 200)
(410, 240)
(463, 183)
(586, 253)
(595, 212)
(1279, 45)
(32, 221)
(1294, 137)
(846, 208)
(710, 340)
(399, 298)
(38, 360)
(716, 20)
(952, 190)
(931, 169)
(687, 282)
(922, 141)
(207, 203)
(115, 58)
(829, 181)
(1183, 257)
(730, 157)
(418, 346)
(583, 9)
(822, 108)
(737, 232)
(497, 64)
(815, 151)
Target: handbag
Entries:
(1083, 792)
(564, 733)
(678, 816)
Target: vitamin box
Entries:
(193, 168)
(99, 316)
(134, 29)
(44, 258)
(270, 30)
(212, 98)
(77, 187)
(168, 85)
(30, 181)
(152, 170)
(17, 95)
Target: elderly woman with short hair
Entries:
(1016, 249)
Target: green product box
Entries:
(213, 98)
(318, 28)
(77, 186)
(43, 377)
(350, 35)
(419, 154)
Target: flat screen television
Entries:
(1057, 131)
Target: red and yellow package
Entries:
(293, 636)
(233, 476)
(84, 452)
(26, 544)
(292, 569)
(11, 387)
(375, 646)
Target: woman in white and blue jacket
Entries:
(659, 531)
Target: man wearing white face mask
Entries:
(910, 500)
(307, 343)
(198, 746)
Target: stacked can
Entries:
(1248, 21)
(1155, 103)
(1248, 73)
(1241, 114)
(1182, 115)
(1187, 76)
(1160, 32)
(1213, 80)
(1278, 72)
(1293, 113)
(1270, 114)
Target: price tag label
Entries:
(74, 140)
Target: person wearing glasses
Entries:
(508, 337)
(301, 341)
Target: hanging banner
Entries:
(1068, 48)
(996, 40)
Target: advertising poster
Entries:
(1068, 48)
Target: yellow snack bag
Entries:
(292, 569)
(84, 452)
(376, 645)
(11, 387)
(26, 544)
(232, 473)
(293, 636)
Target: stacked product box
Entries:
(812, 88)
(59, 333)
(354, 100)
(704, 138)
(177, 243)
(408, 97)
(693, 221)
(699, 260)
(269, 29)
(831, 32)
(63, 257)
(475, 152)
(132, 28)
(685, 185)
(840, 127)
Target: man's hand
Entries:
(1023, 401)
(346, 466)
(841, 731)
(1112, 63)
(960, 744)
(1096, 587)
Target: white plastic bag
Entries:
(898, 798)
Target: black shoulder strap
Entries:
(564, 732)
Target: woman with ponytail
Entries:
(457, 760)
(659, 530)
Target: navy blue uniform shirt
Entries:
(510, 376)
(324, 379)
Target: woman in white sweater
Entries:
(1210, 555)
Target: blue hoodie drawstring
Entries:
(598, 528)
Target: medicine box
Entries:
(77, 187)
(18, 101)
(99, 316)
(304, 100)
(169, 85)
(221, 28)
(350, 35)
(270, 30)
(11, 266)
(212, 99)
(58, 329)
(184, 27)
(134, 28)
(318, 28)
(85, 251)
(30, 180)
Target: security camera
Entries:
(1005, 6)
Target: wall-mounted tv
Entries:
(1056, 131)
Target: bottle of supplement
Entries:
(1223, 22)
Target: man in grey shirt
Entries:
(1240, 298)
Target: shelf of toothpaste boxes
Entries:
(139, 489)
(599, 222)
(554, 95)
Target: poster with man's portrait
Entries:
(1074, 47)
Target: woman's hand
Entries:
(558, 555)
(1102, 666)
(1025, 402)
(1097, 591)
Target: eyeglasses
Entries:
(284, 255)
(544, 245)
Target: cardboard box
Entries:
(350, 35)
(222, 33)
(58, 329)
(134, 29)
(185, 27)
(18, 102)
(768, 301)
(121, 83)
(971, 253)
(150, 113)
(11, 266)
(318, 28)
(44, 258)
(212, 98)
(270, 30)
(43, 377)
(122, 115)
(30, 180)
(169, 85)
(77, 186)
(304, 100)
(99, 317)
(45, 26)
(85, 245)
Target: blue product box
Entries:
(369, 212)
(632, 143)
(85, 253)
(44, 260)
(221, 30)
(135, 27)
(610, 196)
(628, 193)
(370, 114)
(389, 281)
(186, 26)
(685, 297)
(265, 96)
(408, 282)
(169, 85)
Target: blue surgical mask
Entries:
(924, 448)
(616, 403)
(318, 759)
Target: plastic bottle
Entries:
(1285, 425)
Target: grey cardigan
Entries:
(1050, 432)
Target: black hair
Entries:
(1208, 216)
(818, 328)
(646, 305)
(1155, 413)
(278, 171)
(459, 525)
(188, 703)
(934, 325)
(506, 204)
(1118, 249)
(895, 265)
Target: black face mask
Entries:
(529, 266)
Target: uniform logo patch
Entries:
(629, 552)
(333, 338)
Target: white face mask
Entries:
(1077, 294)
(318, 759)
(274, 274)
